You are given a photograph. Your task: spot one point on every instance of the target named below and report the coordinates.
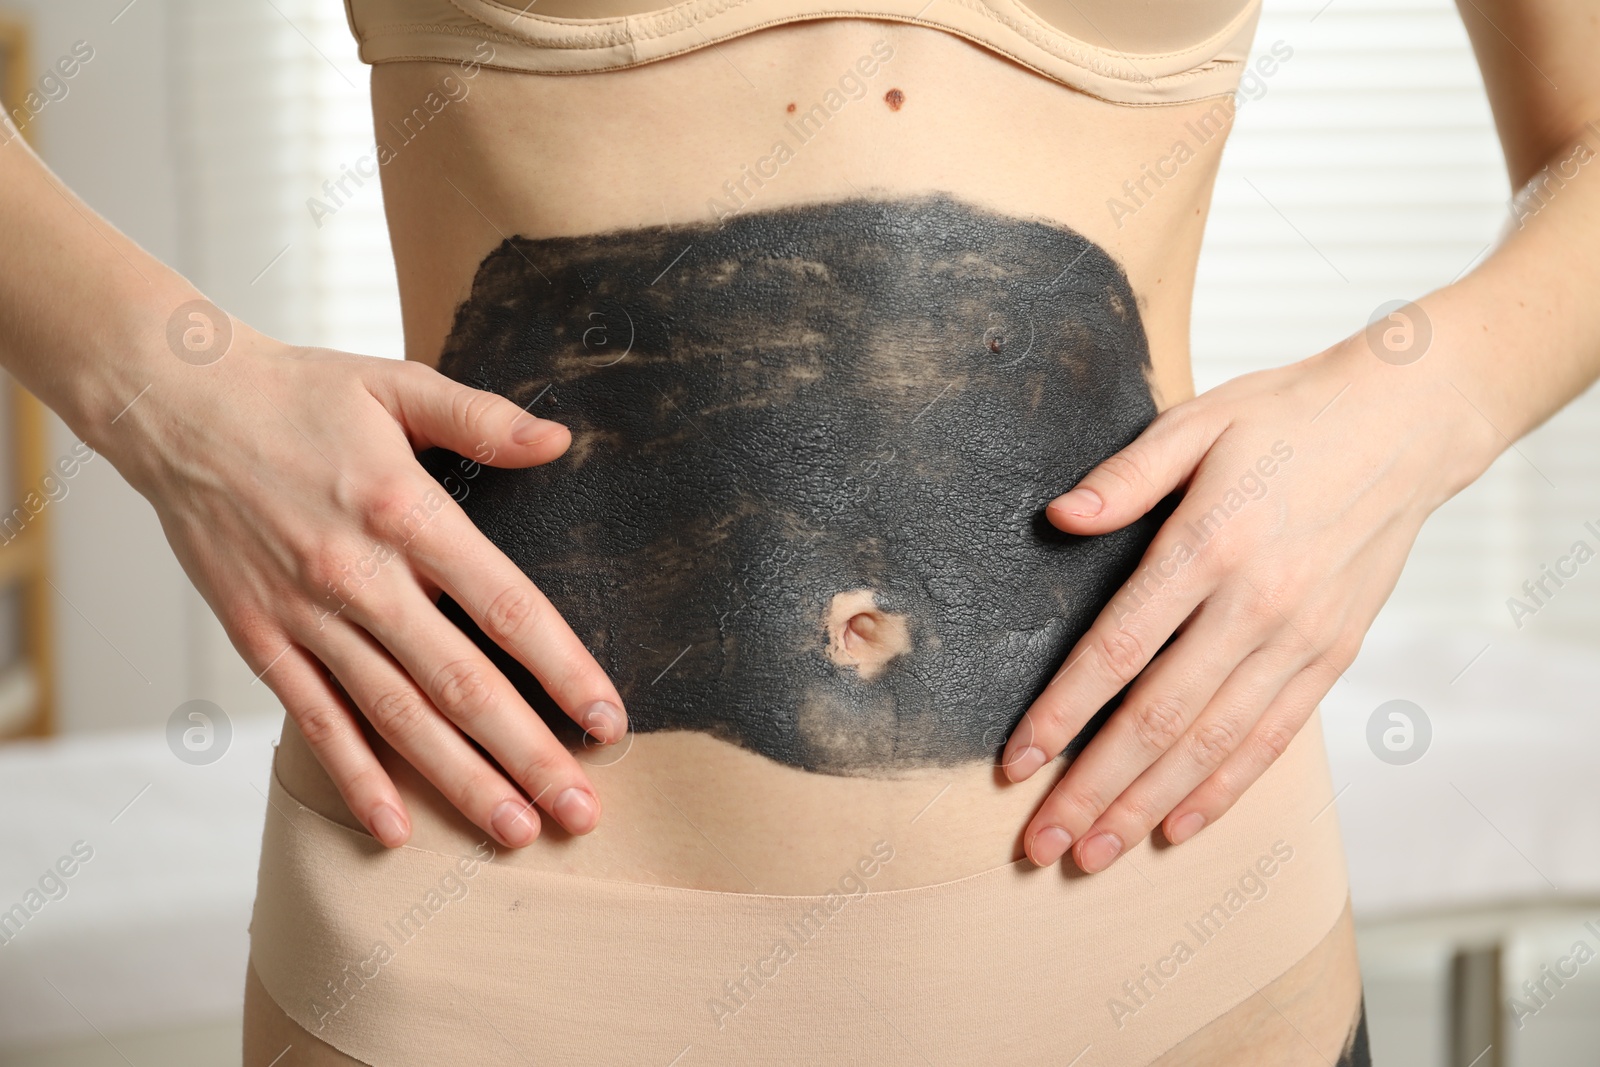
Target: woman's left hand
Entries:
(1305, 488)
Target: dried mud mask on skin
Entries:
(803, 509)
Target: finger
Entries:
(455, 555)
(1155, 716)
(1214, 736)
(1126, 635)
(1129, 483)
(403, 716)
(435, 410)
(329, 726)
(460, 681)
(1258, 751)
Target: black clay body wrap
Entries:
(866, 394)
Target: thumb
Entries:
(438, 411)
(1129, 483)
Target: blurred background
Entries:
(1364, 171)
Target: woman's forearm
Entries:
(1519, 336)
(83, 309)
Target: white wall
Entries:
(124, 622)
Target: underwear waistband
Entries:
(409, 957)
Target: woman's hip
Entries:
(418, 955)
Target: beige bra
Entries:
(1127, 52)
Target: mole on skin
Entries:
(894, 98)
(803, 511)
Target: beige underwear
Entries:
(413, 958)
(1158, 52)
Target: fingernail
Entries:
(576, 810)
(1049, 845)
(513, 823)
(603, 720)
(1084, 503)
(389, 826)
(1024, 763)
(1098, 852)
(532, 430)
(1185, 827)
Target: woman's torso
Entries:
(479, 156)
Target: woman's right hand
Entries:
(287, 482)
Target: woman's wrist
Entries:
(128, 375)
(140, 410)
(1459, 372)
(1413, 376)
(89, 321)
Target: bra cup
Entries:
(1114, 25)
(1125, 61)
(1161, 27)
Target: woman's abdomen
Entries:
(803, 509)
(801, 521)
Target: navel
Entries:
(863, 635)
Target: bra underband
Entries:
(1124, 70)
